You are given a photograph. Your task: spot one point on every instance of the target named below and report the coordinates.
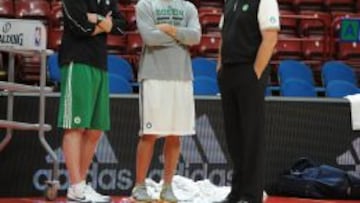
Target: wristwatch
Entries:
(99, 18)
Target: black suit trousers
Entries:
(242, 96)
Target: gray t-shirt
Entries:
(163, 57)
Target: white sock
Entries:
(79, 187)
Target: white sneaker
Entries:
(167, 194)
(90, 190)
(83, 197)
(140, 194)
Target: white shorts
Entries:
(167, 108)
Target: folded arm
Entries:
(75, 13)
(150, 34)
(189, 35)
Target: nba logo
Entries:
(37, 36)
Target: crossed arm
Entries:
(165, 34)
(103, 24)
(83, 23)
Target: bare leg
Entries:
(72, 142)
(88, 147)
(144, 155)
(171, 155)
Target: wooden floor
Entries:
(126, 200)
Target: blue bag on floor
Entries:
(307, 179)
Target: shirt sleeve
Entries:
(119, 22)
(76, 17)
(268, 15)
(147, 28)
(190, 34)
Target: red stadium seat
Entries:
(340, 5)
(211, 3)
(285, 1)
(124, 2)
(129, 13)
(320, 25)
(209, 46)
(288, 48)
(56, 15)
(348, 51)
(116, 44)
(316, 5)
(315, 48)
(55, 2)
(35, 9)
(289, 26)
(6, 8)
(210, 22)
(54, 39)
(202, 10)
(285, 4)
(134, 43)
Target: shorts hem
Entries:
(165, 134)
(82, 127)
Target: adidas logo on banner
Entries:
(351, 158)
(104, 173)
(202, 157)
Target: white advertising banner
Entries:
(22, 34)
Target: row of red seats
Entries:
(316, 49)
(320, 5)
(305, 48)
(209, 16)
(131, 43)
(319, 36)
(51, 13)
(343, 5)
(24, 8)
(300, 48)
(198, 3)
(308, 23)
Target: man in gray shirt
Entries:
(168, 28)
